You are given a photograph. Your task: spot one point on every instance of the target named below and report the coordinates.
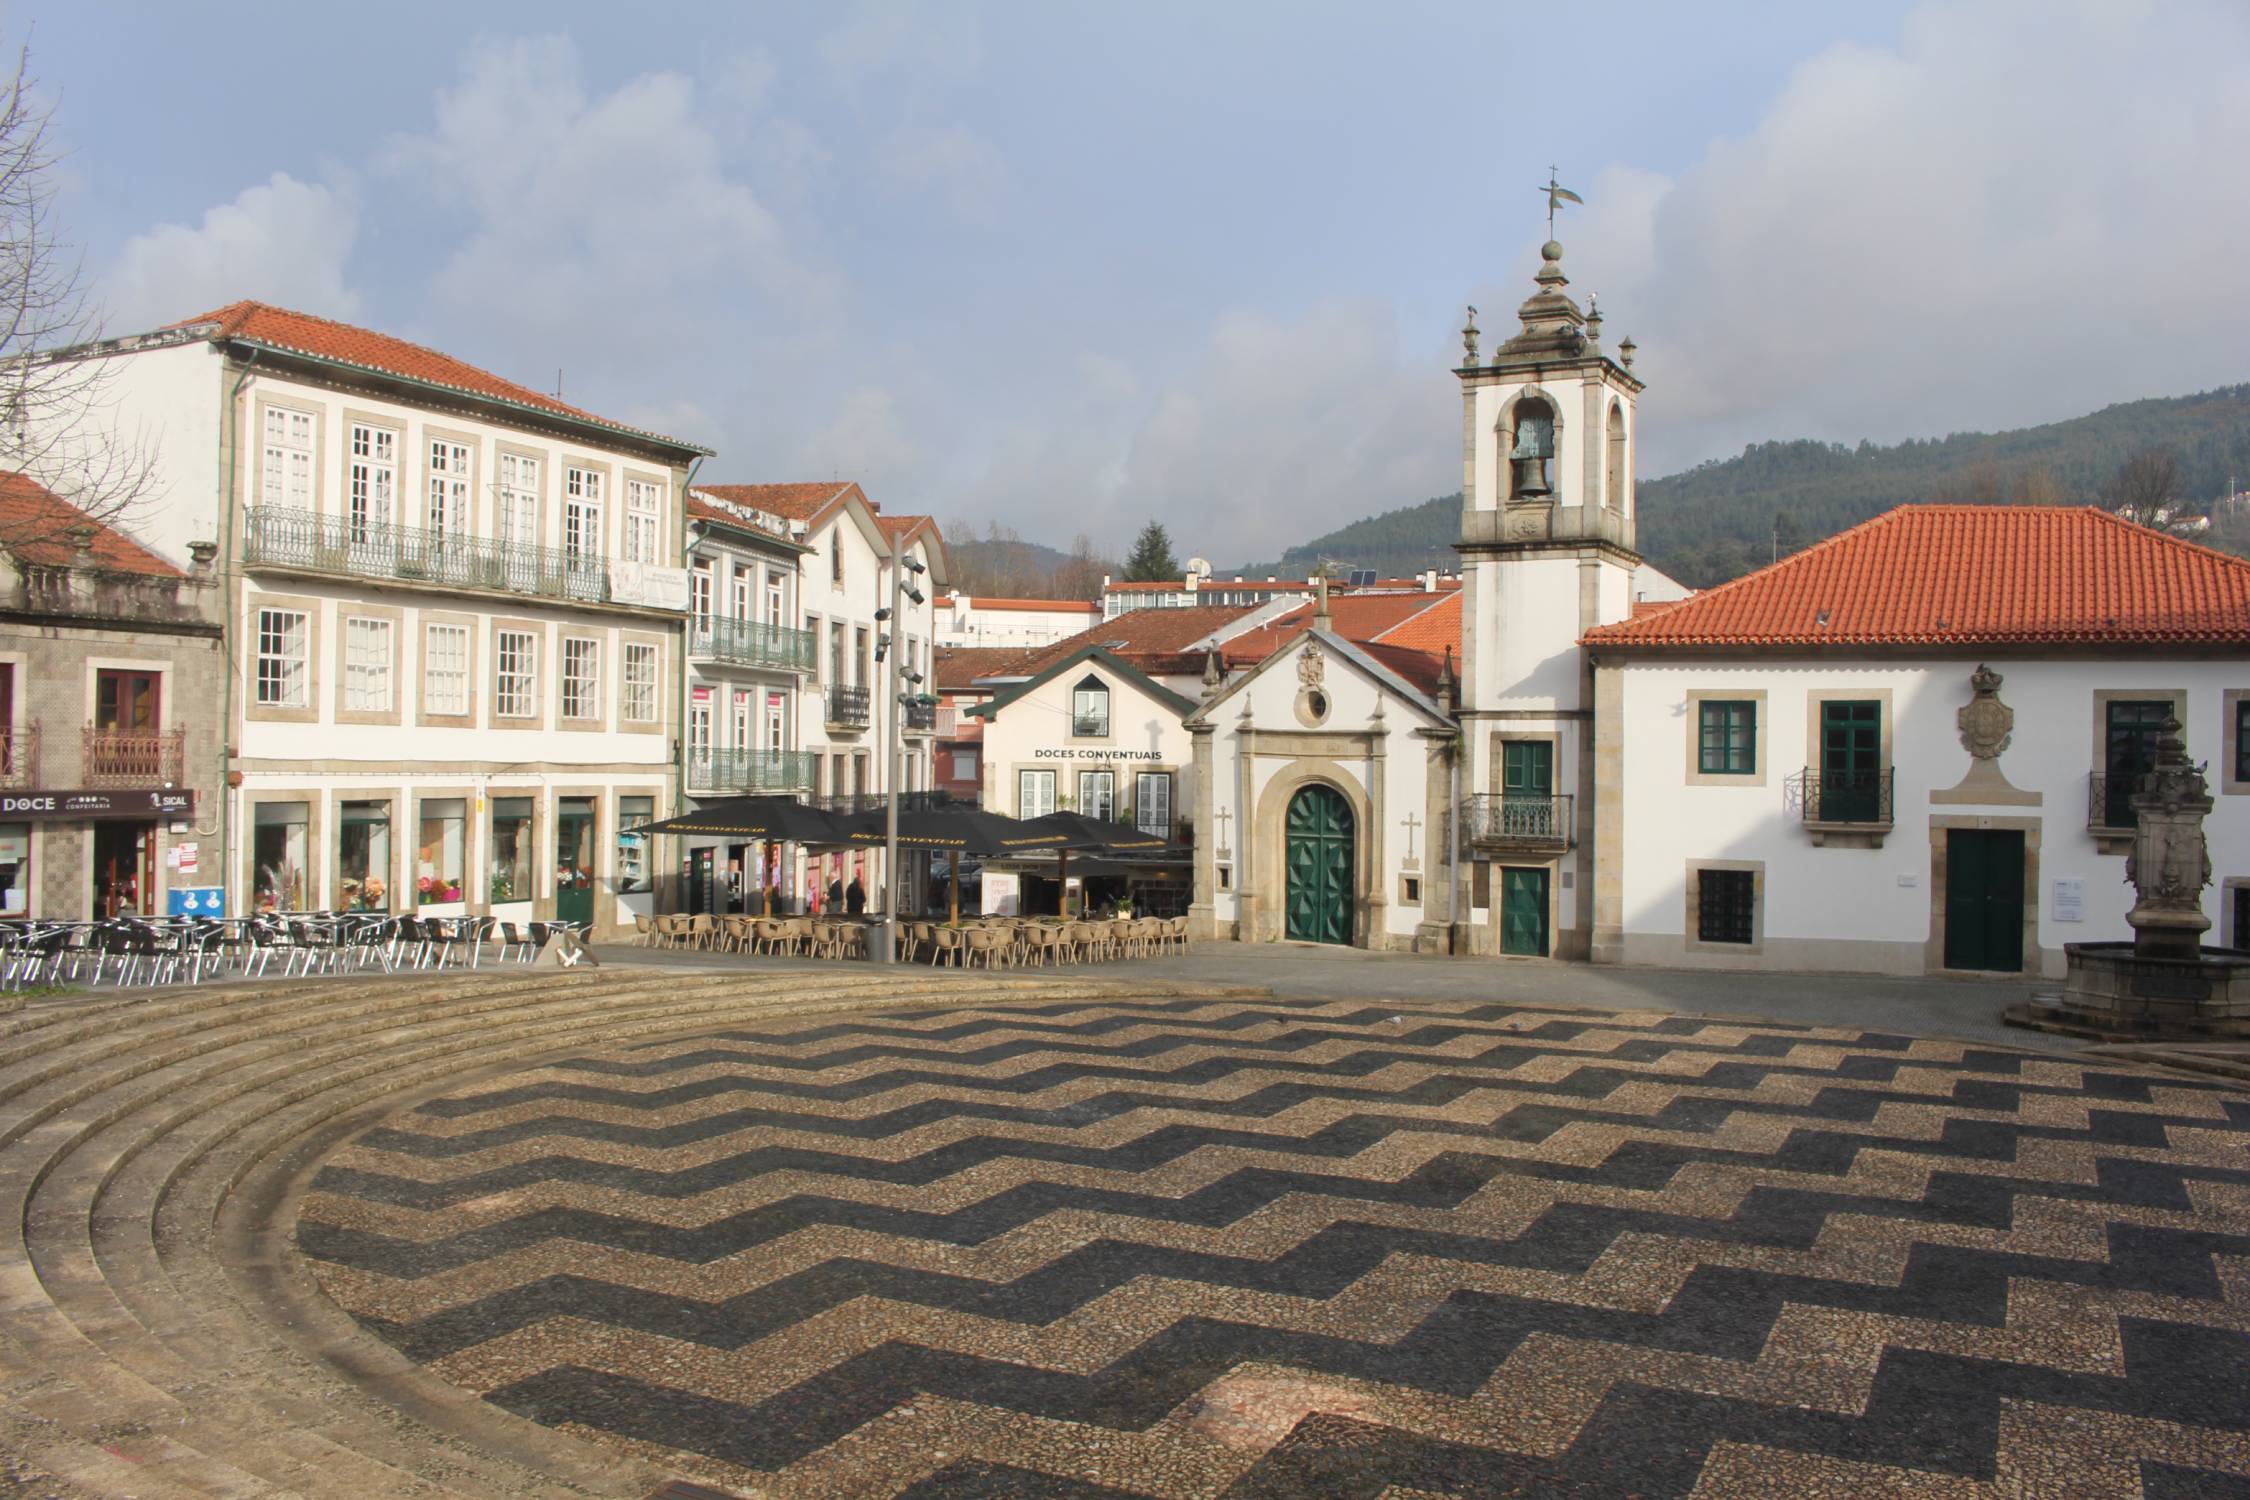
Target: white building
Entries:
(984, 621)
(454, 607)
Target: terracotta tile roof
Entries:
(1422, 668)
(1280, 585)
(958, 667)
(980, 601)
(1969, 575)
(33, 526)
(1353, 617)
(1145, 633)
(900, 528)
(796, 502)
(261, 323)
(1432, 630)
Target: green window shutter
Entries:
(1527, 768)
(1727, 737)
(2242, 739)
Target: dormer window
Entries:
(1089, 709)
(1531, 451)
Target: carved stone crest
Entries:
(1312, 666)
(1987, 724)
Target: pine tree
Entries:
(1152, 560)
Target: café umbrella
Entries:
(1096, 834)
(772, 819)
(957, 830)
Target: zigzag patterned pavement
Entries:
(1256, 1247)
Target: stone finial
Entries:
(201, 555)
(81, 539)
(1469, 337)
(1550, 272)
(1321, 619)
(1593, 320)
(1211, 673)
(1447, 684)
(1625, 352)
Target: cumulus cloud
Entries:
(2019, 211)
(866, 439)
(617, 206)
(282, 241)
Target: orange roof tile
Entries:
(1968, 575)
(324, 338)
(1144, 633)
(33, 526)
(959, 667)
(796, 502)
(1421, 668)
(900, 528)
(1432, 630)
(1353, 617)
(1071, 606)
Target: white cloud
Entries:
(866, 440)
(2020, 211)
(950, 160)
(929, 43)
(283, 241)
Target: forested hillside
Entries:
(1722, 518)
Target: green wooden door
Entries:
(2128, 751)
(1851, 761)
(1527, 789)
(1319, 859)
(1984, 899)
(574, 860)
(1523, 911)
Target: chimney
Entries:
(1429, 580)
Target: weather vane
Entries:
(1557, 196)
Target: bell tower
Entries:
(1547, 553)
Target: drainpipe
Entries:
(229, 636)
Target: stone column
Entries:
(1608, 792)
(1378, 864)
(1202, 911)
(1430, 934)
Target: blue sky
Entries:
(1072, 266)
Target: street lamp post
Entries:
(887, 950)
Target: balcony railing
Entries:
(751, 643)
(1848, 797)
(1518, 821)
(279, 537)
(921, 716)
(116, 758)
(848, 706)
(2109, 803)
(859, 802)
(19, 756)
(1089, 728)
(772, 772)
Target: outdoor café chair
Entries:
(945, 942)
(985, 941)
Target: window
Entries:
(740, 591)
(1613, 470)
(128, 703)
(699, 724)
(363, 857)
(964, 765)
(1089, 709)
(1035, 793)
(281, 657)
(777, 602)
(15, 869)
(859, 657)
(1726, 906)
(1853, 788)
(777, 722)
(836, 557)
(2131, 727)
(449, 487)
(519, 500)
(643, 510)
(277, 855)
(699, 594)
(440, 855)
(1727, 737)
(1531, 451)
(511, 849)
(1097, 794)
(640, 683)
(445, 669)
(374, 478)
(367, 665)
(582, 512)
(744, 705)
(632, 848)
(515, 675)
(581, 678)
(1152, 803)
(2242, 739)
(289, 458)
(836, 676)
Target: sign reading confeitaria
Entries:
(36, 806)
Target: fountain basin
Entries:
(2112, 991)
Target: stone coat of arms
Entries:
(1987, 724)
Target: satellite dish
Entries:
(1199, 566)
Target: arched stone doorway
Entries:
(1319, 856)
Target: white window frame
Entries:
(699, 728)
(1106, 783)
(1143, 782)
(515, 674)
(373, 478)
(519, 500)
(777, 722)
(282, 676)
(644, 509)
(445, 669)
(452, 491)
(367, 664)
(582, 513)
(1080, 697)
(699, 593)
(738, 587)
(742, 711)
(581, 677)
(287, 477)
(777, 600)
(1035, 793)
(640, 674)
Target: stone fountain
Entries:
(2165, 982)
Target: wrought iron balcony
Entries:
(1517, 821)
(116, 757)
(772, 772)
(280, 537)
(1089, 727)
(1842, 798)
(750, 643)
(848, 707)
(2109, 803)
(921, 717)
(19, 756)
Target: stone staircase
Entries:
(156, 1340)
